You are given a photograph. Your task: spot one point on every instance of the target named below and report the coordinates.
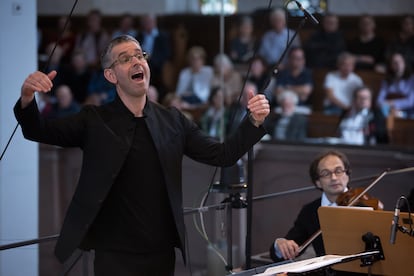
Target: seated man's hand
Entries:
(288, 248)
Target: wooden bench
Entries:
(321, 125)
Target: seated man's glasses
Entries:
(328, 174)
(125, 58)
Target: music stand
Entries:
(342, 231)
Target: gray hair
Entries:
(288, 94)
(106, 54)
(223, 60)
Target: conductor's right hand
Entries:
(36, 81)
(288, 248)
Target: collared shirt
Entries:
(273, 45)
(353, 128)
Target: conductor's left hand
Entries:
(258, 106)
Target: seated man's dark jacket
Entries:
(306, 224)
(105, 145)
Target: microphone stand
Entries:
(249, 196)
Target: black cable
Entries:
(43, 70)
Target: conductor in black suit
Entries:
(127, 206)
(330, 172)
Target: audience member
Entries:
(368, 48)
(157, 44)
(404, 40)
(194, 81)
(275, 40)
(324, 46)
(243, 45)
(213, 120)
(397, 89)
(100, 90)
(126, 26)
(65, 103)
(258, 72)
(77, 75)
(296, 77)
(94, 39)
(227, 78)
(363, 124)
(286, 124)
(340, 84)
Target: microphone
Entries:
(395, 223)
(308, 14)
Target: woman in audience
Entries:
(194, 81)
(397, 89)
(227, 78)
(213, 121)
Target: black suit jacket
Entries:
(105, 145)
(296, 129)
(306, 224)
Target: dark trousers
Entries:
(110, 263)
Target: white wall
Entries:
(114, 7)
(19, 167)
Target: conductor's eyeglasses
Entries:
(125, 58)
(328, 174)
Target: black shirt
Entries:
(136, 216)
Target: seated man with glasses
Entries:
(330, 172)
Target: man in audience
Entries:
(340, 84)
(157, 44)
(324, 46)
(362, 124)
(286, 124)
(368, 48)
(275, 40)
(296, 77)
(94, 39)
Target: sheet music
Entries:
(313, 263)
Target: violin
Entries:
(358, 197)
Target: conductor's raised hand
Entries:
(36, 82)
(258, 106)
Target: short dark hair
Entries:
(313, 168)
(105, 57)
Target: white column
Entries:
(19, 166)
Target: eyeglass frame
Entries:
(338, 172)
(138, 55)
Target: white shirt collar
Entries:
(325, 201)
